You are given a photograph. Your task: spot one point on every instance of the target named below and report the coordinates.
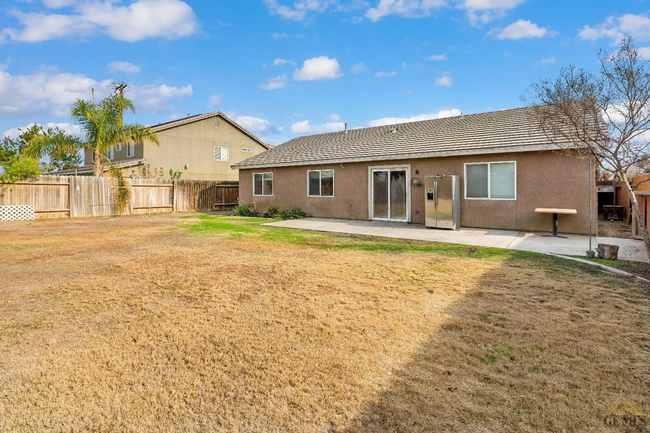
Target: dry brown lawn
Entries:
(216, 324)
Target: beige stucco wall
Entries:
(193, 144)
(544, 179)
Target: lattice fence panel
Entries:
(16, 212)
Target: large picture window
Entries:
(491, 181)
(263, 184)
(320, 183)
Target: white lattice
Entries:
(16, 212)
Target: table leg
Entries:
(554, 235)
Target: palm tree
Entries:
(103, 127)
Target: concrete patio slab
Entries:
(630, 249)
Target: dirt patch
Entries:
(614, 229)
(168, 324)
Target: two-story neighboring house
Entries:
(201, 147)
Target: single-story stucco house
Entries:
(507, 167)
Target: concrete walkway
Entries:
(574, 245)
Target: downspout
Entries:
(590, 252)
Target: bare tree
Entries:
(605, 114)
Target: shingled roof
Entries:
(198, 117)
(494, 132)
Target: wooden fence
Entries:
(81, 196)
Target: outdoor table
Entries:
(555, 213)
(608, 209)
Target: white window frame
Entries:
(111, 153)
(371, 190)
(118, 148)
(489, 180)
(130, 150)
(221, 150)
(320, 185)
(272, 184)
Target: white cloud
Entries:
(382, 74)
(280, 35)
(257, 125)
(334, 117)
(141, 19)
(47, 91)
(405, 65)
(522, 29)
(437, 57)
(126, 67)
(548, 61)
(644, 52)
(617, 28)
(305, 127)
(299, 10)
(318, 68)
(57, 4)
(444, 81)
(484, 11)
(394, 120)
(275, 83)
(282, 62)
(67, 127)
(358, 68)
(214, 100)
(406, 8)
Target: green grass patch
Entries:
(233, 228)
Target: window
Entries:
(493, 181)
(119, 147)
(111, 153)
(263, 184)
(320, 183)
(221, 153)
(130, 150)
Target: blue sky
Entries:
(286, 68)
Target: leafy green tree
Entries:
(103, 127)
(37, 150)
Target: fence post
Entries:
(174, 184)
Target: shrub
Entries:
(245, 210)
(273, 211)
(293, 213)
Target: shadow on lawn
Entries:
(529, 348)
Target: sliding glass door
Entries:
(389, 194)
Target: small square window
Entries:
(320, 183)
(221, 153)
(118, 147)
(263, 184)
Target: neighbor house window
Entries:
(111, 153)
(130, 150)
(320, 183)
(263, 184)
(492, 180)
(221, 153)
(119, 147)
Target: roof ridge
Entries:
(364, 128)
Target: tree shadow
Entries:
(533, 346)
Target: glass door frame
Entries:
(389, 168)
